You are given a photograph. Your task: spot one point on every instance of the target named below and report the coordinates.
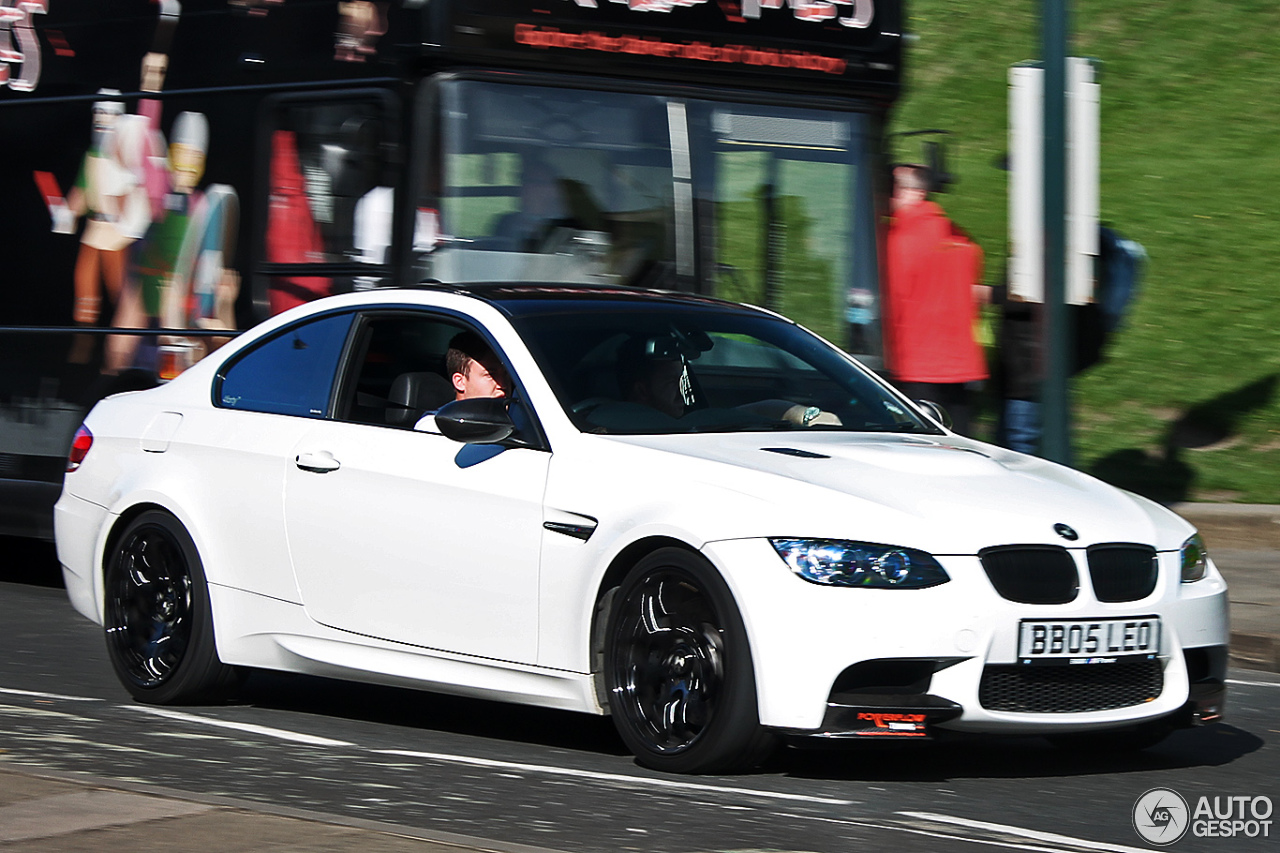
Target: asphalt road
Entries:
(507, 777)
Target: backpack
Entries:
(1118, 272)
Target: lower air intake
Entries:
(1069, 689)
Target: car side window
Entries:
(396, 371)
(291, 373)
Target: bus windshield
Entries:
(763, 204)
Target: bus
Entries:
(176, 170)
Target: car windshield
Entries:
(636, 368)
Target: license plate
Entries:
(1088, 641)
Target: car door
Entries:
(230, 455)
(406, 535)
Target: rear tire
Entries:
(157, 617)
(678, 669)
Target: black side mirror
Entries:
(935, 412)
(480, 420)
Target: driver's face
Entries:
(485, 378)
(661, 387)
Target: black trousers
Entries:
(952, 396)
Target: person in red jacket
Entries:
(933, 295)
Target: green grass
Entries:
(1186, 405)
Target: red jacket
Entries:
(931, 268)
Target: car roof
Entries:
(529, 299)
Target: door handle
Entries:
(318, 462)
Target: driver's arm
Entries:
(793, 413)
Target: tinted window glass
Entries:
(290, 374)
(398, 370)
(680, 369)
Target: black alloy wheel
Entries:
(157, 617)
(678, 669)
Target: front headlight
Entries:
(1195, 559)
(836, 562)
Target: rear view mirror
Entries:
(935, 412)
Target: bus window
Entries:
(762, 204)
(329, 199)
(547, 184)
(782, 184)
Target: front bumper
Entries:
(880, 717)
(963, 636)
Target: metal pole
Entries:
(1055, 439)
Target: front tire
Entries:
(157, 617)
(678, 669)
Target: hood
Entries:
(946, 495)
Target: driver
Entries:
(656, 380)
(473, 368)
(654, 373)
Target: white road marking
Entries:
(36, 695)
(1034, 835)
(250, 728)
(638, 781)
(641, 782)
(25, 711)
(871, 823)
(950, 836)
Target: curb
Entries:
(1241, 527)
(1246, 527)
(307, 826)
(1255, 651)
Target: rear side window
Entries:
(289, 374)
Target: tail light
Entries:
(79, 448)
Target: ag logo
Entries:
(1161, 816)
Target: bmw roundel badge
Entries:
(1066, 532)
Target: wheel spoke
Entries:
(149, 606)
(670, 653)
